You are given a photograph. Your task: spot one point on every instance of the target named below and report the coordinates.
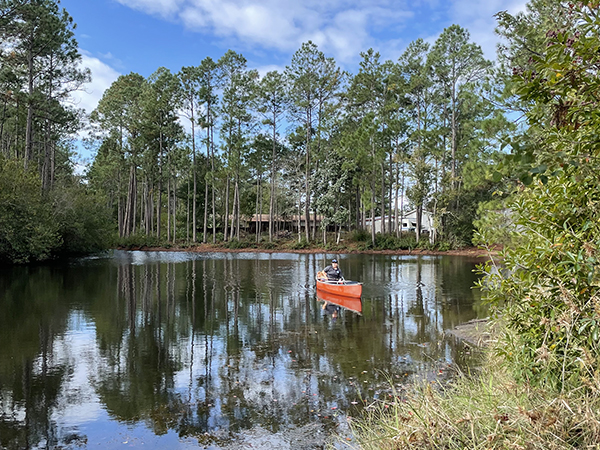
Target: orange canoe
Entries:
(351, 303)
(345, 288)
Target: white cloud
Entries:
(480, 20)
(263, 70)
(339, 27)
(102, 77)
(160, 7)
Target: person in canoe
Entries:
(333, 272)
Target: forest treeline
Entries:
(187, 155)
(190, 156)
(45, 210)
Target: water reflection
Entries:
(333, 303)
(208, 346)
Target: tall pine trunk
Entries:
(258, 209)
(194, 169)
(159, 196)
(169, 209)
(226, 218)
(174, 210)
(307, 176)
(29, 126)
(383, 228)
(272, 187)
(212, 187)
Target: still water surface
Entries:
(221, 350)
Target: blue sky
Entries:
(122, 36)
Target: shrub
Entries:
(27, 229)
(390, 242)
(236, 244)
(550, 292)
(301, 245)
(83, 220)
(551, 295)
(359, 236)
(425, 244)
(138, 240)
(443, 246)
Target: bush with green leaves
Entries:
(359, 235)
(36, 225)
(268, 245)
(300, 245)
(83, 219)
(390, 242)
(138, 240)
(550, 292)
(549, 289)
(27, 229)
(495, 222)
(236, 244)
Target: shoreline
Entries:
(479, 333)
(209, 248)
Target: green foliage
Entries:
(359, 235)
(443, 246)
(268, 245)
(494, 224)
(459, 209)
(40, 66)
(83, 220)
(407, 241)
(551, 298)
(549, 292)
(426, 244)
(236, 244)
(27, 229)
(35, 226)
(300, 245)
(137, 240)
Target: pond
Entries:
(217, 350)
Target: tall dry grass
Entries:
(486, 410)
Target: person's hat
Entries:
(334, 260)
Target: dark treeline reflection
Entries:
(212, 345)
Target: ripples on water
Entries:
(175, 349)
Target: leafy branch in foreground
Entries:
(550, 297)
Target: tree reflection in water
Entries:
(209, 346)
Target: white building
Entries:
(409, 222)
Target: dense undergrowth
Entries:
(37, 225)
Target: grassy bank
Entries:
(483, 410)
